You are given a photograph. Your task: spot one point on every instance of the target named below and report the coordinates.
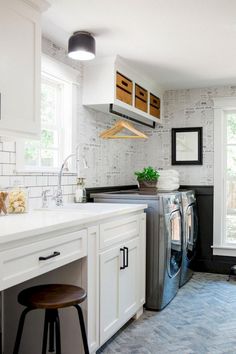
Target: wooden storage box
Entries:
(154, 106)
(124, 88)
(141, 98)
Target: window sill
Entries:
(42, 171)
(227, 250)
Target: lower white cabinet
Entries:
(122, 280)
(129, 281)
(109, 293)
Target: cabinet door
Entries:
(142, 260)
(93, 288)
(20, 43)
(109, 293)
(129, 281)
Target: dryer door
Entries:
(174, 252)
(191, 228)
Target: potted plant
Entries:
(147, 179)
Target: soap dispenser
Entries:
(80, 192)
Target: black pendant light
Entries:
(81, 46)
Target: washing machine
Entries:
(163, 242)
(190, 233)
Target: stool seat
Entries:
(52, 296)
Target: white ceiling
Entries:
(180, 43)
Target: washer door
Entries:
(174, 258)
(191, 228)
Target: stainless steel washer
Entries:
(190, 234)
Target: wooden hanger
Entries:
(118, 127)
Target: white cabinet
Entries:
(20, 45)
(93, 288)
(122, 273)
(129, 281)
(109, 293)
(142, 260)
(113, 86)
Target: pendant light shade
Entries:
(82, 46)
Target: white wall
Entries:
(187, 108)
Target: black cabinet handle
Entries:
(123, 258)
(124, 83)
(127, 257)
(55, 254)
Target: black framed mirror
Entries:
(186, 146)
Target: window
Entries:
(225, 177)
(57, 126)
(230, 231)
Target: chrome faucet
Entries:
(58, 196)
(45, 198)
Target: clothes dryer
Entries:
(190, 234)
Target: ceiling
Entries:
(180, 43)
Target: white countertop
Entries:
(38, 221)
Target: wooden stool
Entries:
(51, 298)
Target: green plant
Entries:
(147, 174)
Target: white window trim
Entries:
(220, 247)
(62, 72)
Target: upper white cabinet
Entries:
(112, 86)
(20, 45)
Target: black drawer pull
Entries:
(55, 254)
(155, 101)
(124, 83)
(123, 258)
(141, 93)
(127, 257)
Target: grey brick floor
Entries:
(200, 320)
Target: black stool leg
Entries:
(51, 336)
(20, 330)
(58, 334)
(45, 332)
(82, 327)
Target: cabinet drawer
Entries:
(154, 101)
(23, 263)
(140, 98)
(123, 96)
(124, 83)
(140, 92)
(155, 112)
(140, 104)
(154, 106)
(118, 231)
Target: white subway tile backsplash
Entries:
(52, 180)
(8, 169)
(9, 146)
(4, 157)
(4, 182)
(35, 192)
(42, 180)
(12, 157)
(30, 181)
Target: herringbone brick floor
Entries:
(200, 320)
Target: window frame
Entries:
(69, 78)
(220, 246)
